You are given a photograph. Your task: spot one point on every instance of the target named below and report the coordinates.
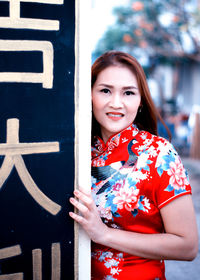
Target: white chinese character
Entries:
(14, 251)
(15, 21)
(46, 78)
(13, 151)
(10, 252)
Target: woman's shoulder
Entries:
(145, 136)
(149, 141)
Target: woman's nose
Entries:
(116, 101)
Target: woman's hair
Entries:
(146, 118)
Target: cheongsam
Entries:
(134, 175)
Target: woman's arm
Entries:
(180, 242)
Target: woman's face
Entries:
(115, 99)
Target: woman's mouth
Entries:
(115, 116)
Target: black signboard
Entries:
(36, 139)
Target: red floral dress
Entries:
(134, 175)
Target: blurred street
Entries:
(178, 270)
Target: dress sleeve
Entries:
(173, 180)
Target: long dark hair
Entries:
(147, 116)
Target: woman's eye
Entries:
(128, 92)
(105, 90)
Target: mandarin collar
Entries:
(114, 140)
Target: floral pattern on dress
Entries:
(134, 175)
(112, 263)
(126, 197)
(121, 192)
(169, 161)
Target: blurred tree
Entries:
(160, 30)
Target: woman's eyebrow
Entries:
(106, 85)
(130, 87)
(124, 88)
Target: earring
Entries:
(140, 109)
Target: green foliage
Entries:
(160, 29)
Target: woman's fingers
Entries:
(76, 217)
(85, 191)
(82, 202)
(82, 208)
(85, 198)
(88, 216)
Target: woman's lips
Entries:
(115, 116)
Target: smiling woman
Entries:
(115, 99)
(148, 119)
(140, 211)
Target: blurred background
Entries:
(164, 35)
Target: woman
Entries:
(141, 212)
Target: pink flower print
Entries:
(98, 162)
(177, 175)
(105, 212)
(127, 198)
(146, 204)
(117, 187)
(111, 146)
(114, 142)
(115, 270)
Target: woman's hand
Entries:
(179, 242)
(88, 216)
